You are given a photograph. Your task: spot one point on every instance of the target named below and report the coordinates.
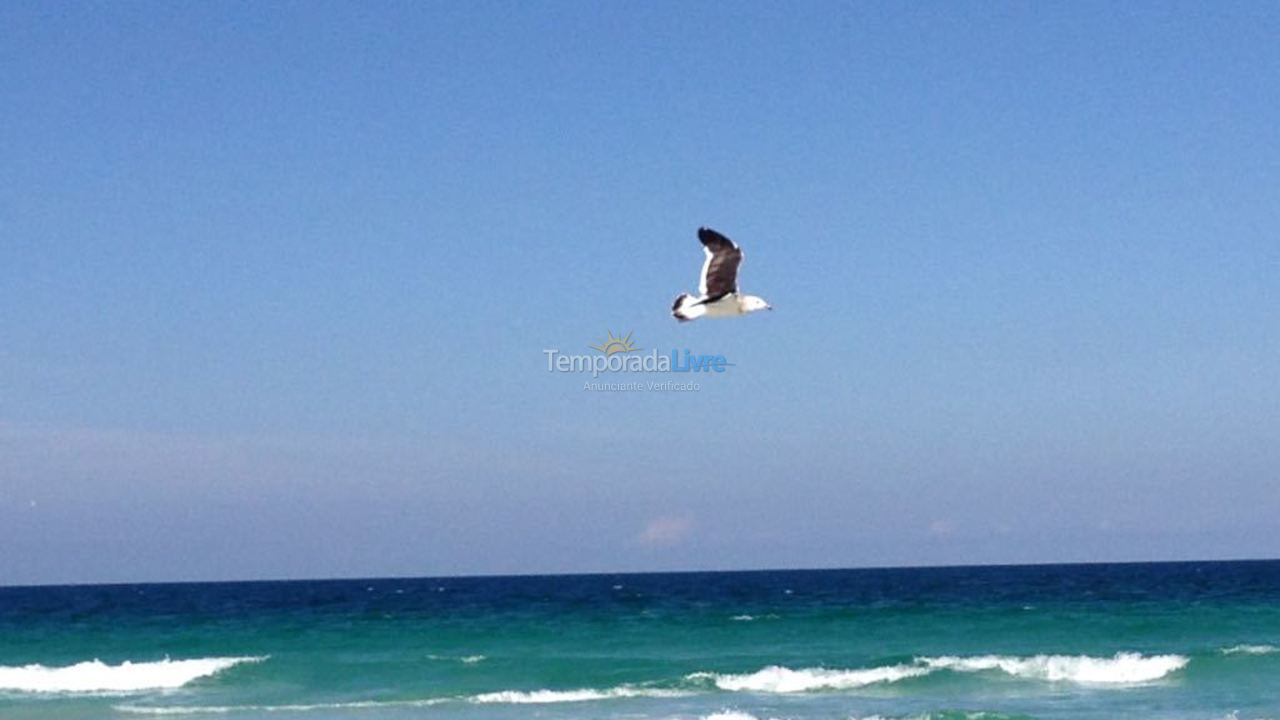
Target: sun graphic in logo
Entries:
(615, 345)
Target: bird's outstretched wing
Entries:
(720, 270)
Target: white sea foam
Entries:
(227, 709)
(944, 715)
(1124, 668)
(519, 697)
(730, 715)
(465, 659)
(96, 676)
(511, 697)
(777, 679)
(1250, 650)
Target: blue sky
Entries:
(276, 281)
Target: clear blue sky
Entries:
(275, 282)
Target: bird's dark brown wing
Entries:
(720, 271)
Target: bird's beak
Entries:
(768, 307)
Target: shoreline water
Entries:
(1168, 641)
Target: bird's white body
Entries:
(731, 305)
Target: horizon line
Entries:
(723, 571)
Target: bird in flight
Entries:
(718, 287)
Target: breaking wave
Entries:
(464, 659)
(1123, 669)
(96, 676)
(567, 696)
(777, 679)
(505, 697)
(937, 715)
(1250, 650)
(226, 709)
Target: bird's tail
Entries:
(686, 308)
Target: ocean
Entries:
(1163, 640)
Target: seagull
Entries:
(718, 287)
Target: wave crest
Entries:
(520, 697)
(229, 709)
(1124, 668)
(778, 679)
(508, 697)
(96, 676)
(1250, 650)
(464, 659)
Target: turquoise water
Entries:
(1186, 640)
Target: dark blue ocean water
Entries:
(1181, 640)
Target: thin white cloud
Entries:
(941, 528)
(665, 530)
